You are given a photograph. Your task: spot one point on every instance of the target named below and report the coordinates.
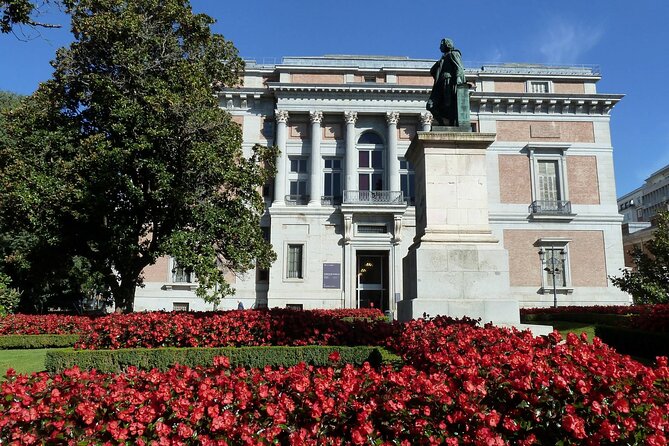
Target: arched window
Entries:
(370, 138)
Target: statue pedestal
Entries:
(455, 267)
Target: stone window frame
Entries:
(286, 248)
(555, 243)
(530, 82)
(548, 152)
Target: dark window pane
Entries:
(403, 164)
(336, 164)
(377, 159)
(336, 184)
(377, 181)
(328, 164)
(363, 181)
(293, 188)
(363, 158)
(327, 189)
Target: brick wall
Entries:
(582, 179)
(515, 185)
(568, 131)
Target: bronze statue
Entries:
(448, 72)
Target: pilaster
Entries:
(351, 177)
(393, 169)
(281, 117)
(315, 184)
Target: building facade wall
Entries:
(302, 107)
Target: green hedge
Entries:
(163, 358)
(646, 344)
(585, 318)
(37, 341)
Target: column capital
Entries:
(392, 117)
(316, 116)
(426, 118)
(281, 115)
(350, 117)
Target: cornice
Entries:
(349, 88)
(589, 104)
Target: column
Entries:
(351, 160)
(426, 121)
(281, 117)
(315, 181)
(393, 162)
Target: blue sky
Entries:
(627, 40)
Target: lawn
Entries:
(566, 327)
(23, 361)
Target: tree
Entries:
(124, 155)
(22, 12)
(649, 282)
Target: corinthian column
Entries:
(393, 162)
(315, 158)
(351, 179)
(281, 117)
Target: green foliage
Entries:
(37, 341)
(647, 344)
(9, 100)
(125, 156)
(649, 283)
(581, 317)
(163, 358)
(9, 297)
(21, 12)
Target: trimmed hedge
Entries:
(37, 341)
(646, 344)
(258, 357)
(585, 318)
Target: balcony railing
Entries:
(329, 200)
(297, 200)
(373, 197)
(543, 207)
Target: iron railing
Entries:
(550, 207)
(373, 197)
(329, 200)
(297, 200)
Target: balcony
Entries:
(297, 200)
(374, 197)
(329, 200)
(551, 210)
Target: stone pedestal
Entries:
(455, 267)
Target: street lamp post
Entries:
(553, 267)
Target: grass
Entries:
(23, 361)
(566, 327)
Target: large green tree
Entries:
(24, 12)
(648, 283)
(125, 155)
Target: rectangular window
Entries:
(377, 159)
(372, 229)
(538, 87)
(363, 158)
(332, 179)
(554, 267)
(294, 261)
(407, 182)
(180, 274)
(549, 180)
(180, 306)
(298, 188)
(298, 165)
(363, 181)
(294, 307)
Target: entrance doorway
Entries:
(372, 280)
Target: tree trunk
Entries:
(124, 297)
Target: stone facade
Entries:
(342, 213)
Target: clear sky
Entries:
(627, 40)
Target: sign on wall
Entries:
(331, 275)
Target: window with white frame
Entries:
(538, 87)
(407, 182)
(549, 180)
(295, 261)
(370, 167)
(298, 178)
(332, 173)
(180, 306)
(181, 274)
(554, 258)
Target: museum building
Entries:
(341, 212)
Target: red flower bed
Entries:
(639, 317)
(464, 385)
(235, 328)
(44, 324)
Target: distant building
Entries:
(340, 213)
(639, 209)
